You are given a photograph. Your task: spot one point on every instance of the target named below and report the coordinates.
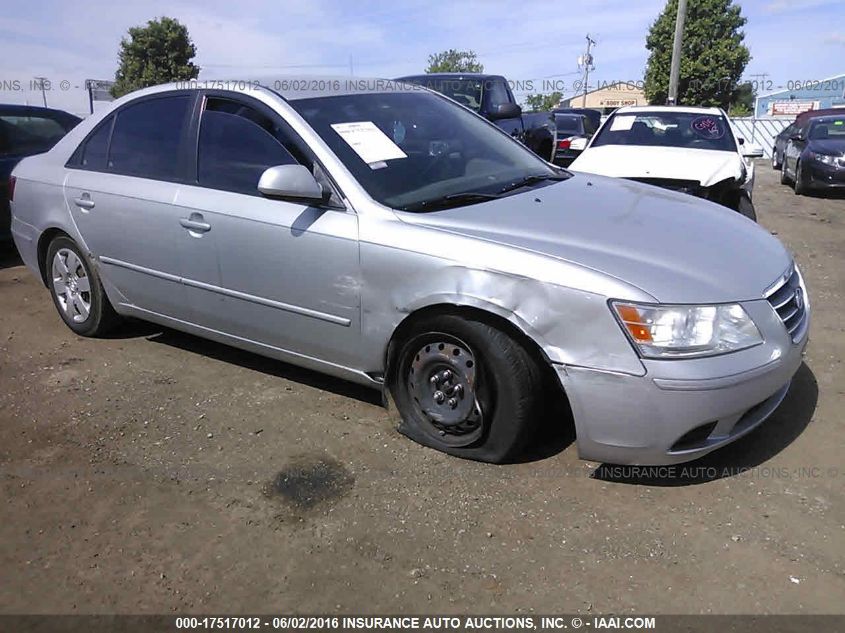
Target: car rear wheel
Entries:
(466, 388)
(76, 290)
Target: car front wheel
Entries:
(746, 208)
(799, 184)
(76, 290)
(466, 388)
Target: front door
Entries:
(287, 273)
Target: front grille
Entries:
(692, 187)
(788, 300)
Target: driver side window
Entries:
(236, 145)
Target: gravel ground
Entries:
(154, 472)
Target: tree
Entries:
(154, 54)
(541, 103)
(713, 54)
(743, 101)
(453, 61)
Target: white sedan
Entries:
(693, 150)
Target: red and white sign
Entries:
(791, 107)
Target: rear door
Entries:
(287, 273)
(120, 190)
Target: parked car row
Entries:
(810, 153)
(398, 240)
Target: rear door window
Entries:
(148, 137)
(94, 151)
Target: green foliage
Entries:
(453, 61)
(743, 102)
(154, 54)
(713, 54)
(541, 103)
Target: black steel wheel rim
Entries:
(443, 381)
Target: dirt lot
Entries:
(155, 472)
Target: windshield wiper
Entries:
(530, 180)
(452, 200)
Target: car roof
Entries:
(16, 108)
(686, 109)
(812, 114)
(448, 76)
(291, 87)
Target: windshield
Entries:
(692, 130)
(405, 148)
(827, 128)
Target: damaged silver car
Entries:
(381, 233)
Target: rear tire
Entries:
(746, 208)
(76, 290)
(466, 388)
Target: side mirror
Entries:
(796, 137)
(753, 151)
(504, 111)
(290, 181)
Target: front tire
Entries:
(466, 388)
(799, 184)
(746, 208)
(76, 290)
(784, 177)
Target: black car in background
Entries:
(24, 131)
(592, 114)
(491, 97)
(782, 139)
(573, 132)
(814, 156)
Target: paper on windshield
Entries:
(369, 142)
(621, 123)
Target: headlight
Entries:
(684, 331)
(824, 158)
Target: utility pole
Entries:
(41, 80)
(587, 62)
(675, 71)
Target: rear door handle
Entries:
(195, 223)
(84, 201)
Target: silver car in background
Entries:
(380, 233)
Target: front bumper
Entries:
(821, 176)
(683, 409)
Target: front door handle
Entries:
(195, 223)
(84, 201)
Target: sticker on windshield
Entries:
(369, 142)
(708, 127)
(622, 123)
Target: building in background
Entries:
(609, 97)
(799, 96)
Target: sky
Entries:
(535, 43)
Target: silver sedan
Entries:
(384, 234)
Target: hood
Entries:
(834, 147)
(675, 247)
(705, 166)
